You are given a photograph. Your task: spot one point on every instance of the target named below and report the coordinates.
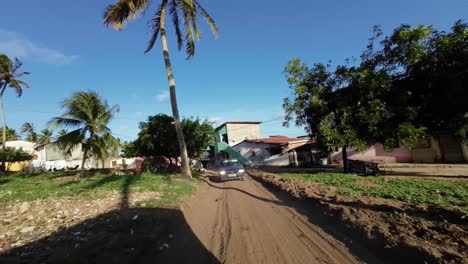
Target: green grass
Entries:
(26, 187)
(445, 193)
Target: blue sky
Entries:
(237, 77)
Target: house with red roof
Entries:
(277, 150)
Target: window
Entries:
(224, 138)
(275, 150)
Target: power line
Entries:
(261, 123)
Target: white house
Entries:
(24, 145)
(50, 157)
(276, 151)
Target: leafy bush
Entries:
(14, 155)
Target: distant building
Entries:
(21, 144)
(232, 133)
(375, 153)
(50, 157)
(277, 151)
(440, 149)
(26, 146)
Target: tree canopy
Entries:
(30, 132)
(88, 115)
(157, 137)
(11, 134)
(405, 86)
(13, 155)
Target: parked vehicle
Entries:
(231, 169)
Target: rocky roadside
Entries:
(25, 222)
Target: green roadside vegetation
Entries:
(433, 192)
(16, 188)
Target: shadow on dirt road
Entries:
(123, 235)
(141, 235)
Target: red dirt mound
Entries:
(399, 230)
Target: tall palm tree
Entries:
(9, 76)
(46, 137)
(30, 130)
(118, 14)
(88, 114)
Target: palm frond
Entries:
(16, 65)
(68, 142)
(117, 14)
(208, 18)
(189, 40)
(21, 74)
(46, 137)
(16, 84)
(195, 23)
(64, 121)
(174, 9)
(155, 27)
(5, 64)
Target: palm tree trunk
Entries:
(186, 173)
(85, 153)
(2, 167)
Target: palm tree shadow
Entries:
(128, 235)
(125, 191)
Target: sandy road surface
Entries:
(243, 222)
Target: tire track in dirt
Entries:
(243, 222)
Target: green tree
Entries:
(200, 135)
(88, 115)
(406, 86)
(12, 155)
(183, 12)
(30, 130)
(320, 105)
(429, 70)
(9, 77)
(129, 149)
(105, 146)
(158, 137)
(11, 134)
(46, 137)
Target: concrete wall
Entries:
(240, 132)
(445, 149)
(465, 151)
(376, 153)
(54, 153)
(430, 154)
(17, 166)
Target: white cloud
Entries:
(17, 45)
(162, 96)
(139, 114)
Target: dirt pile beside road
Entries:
(397, 230)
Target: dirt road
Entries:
(243, 222)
